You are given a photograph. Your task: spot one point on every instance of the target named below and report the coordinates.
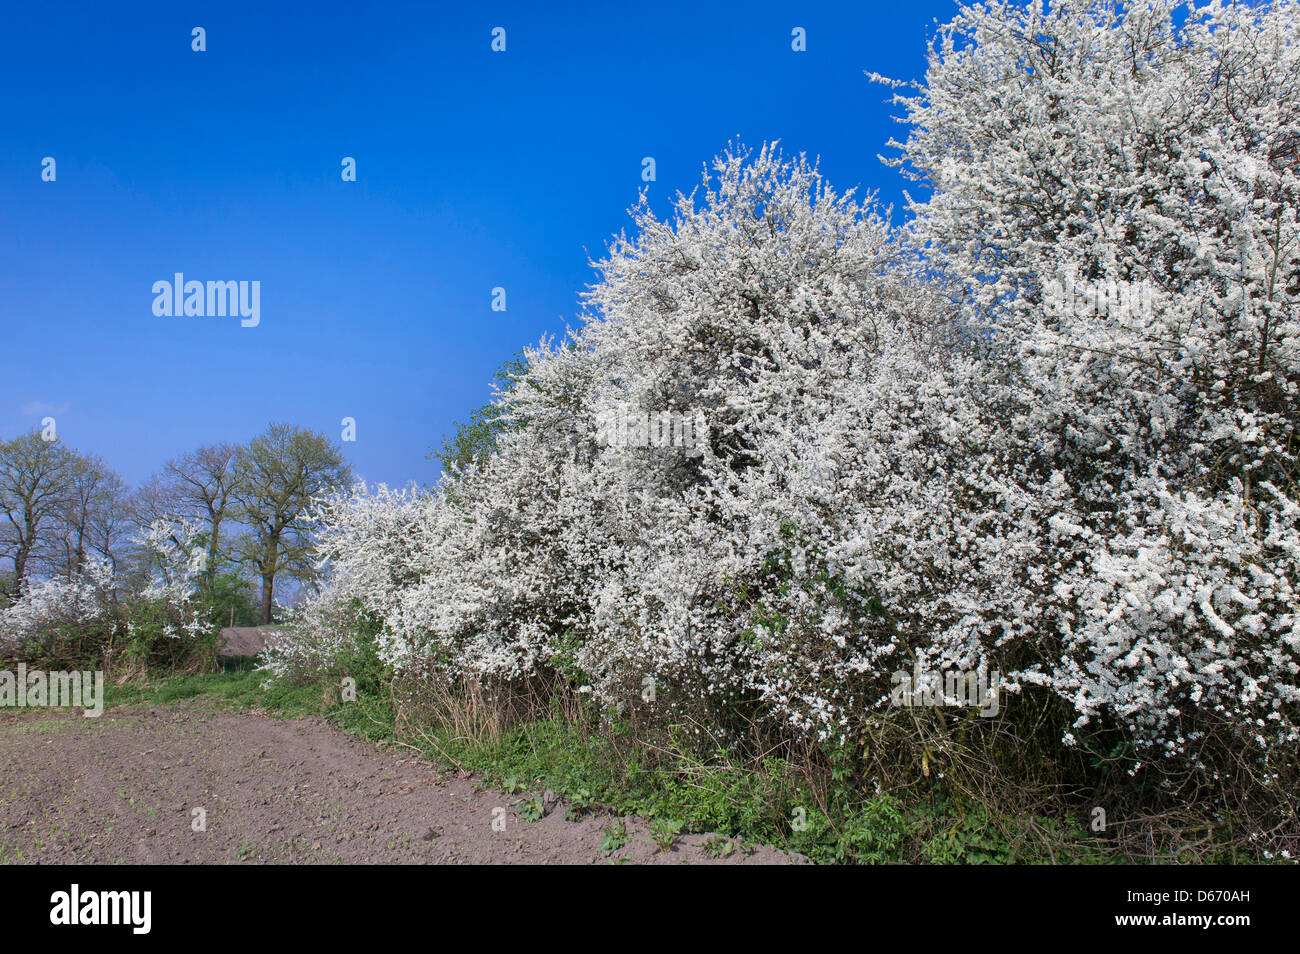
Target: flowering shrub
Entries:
(317, 641)
(785, 566)
(367, 539)
(913, 455)
(57, 605)
(97, 616)
(1120, 147)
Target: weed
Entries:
(615, 837)
(663, 832)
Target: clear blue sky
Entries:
(475, 169)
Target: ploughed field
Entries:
(124, 788)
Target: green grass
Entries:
(240, 687)
(766, 805)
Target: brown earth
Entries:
(122, 789)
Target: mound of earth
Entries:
(243, 640)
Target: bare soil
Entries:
(122, 789)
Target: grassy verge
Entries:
(238, 686)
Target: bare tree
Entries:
(111, 521)
(88, 519)
(278, 474)
(34, 479)
(197, 486)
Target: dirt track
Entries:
(122, 789)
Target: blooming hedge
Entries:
(919, 452)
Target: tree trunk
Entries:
(20, 566)
(210, 572)
(268, 577)
(79, 558)
(267, 584)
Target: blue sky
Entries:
(475, 170)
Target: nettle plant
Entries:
(912, 455)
